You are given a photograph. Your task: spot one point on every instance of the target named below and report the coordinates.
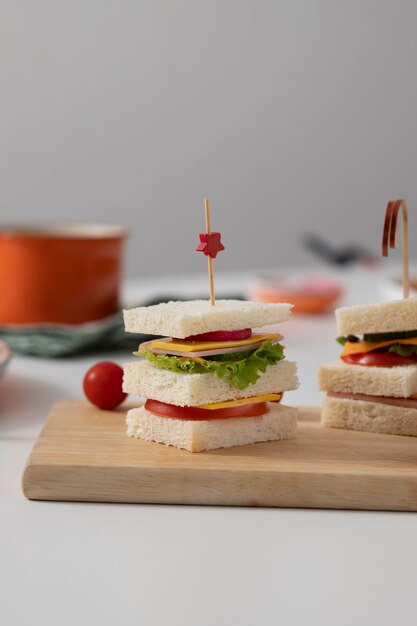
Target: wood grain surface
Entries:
(83, 454)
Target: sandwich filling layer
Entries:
(410, 403)
(240, 363)
(380, 349)
(253, 407)
(178, 347)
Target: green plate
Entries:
(57, 340)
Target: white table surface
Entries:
(64, 563)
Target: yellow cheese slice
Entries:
(199, 346)
(359, 347)
(267, 397)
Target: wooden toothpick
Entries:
(209, 258)
(389, 237)
(210, 245)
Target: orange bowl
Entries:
(60, 273)
(313, 295)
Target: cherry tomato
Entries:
(194, 413)
(379, 359)
(103, 385)
(222, 335)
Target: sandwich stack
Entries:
(373, 387)
(211, 381)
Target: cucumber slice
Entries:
(406, 334)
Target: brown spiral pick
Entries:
(389, 237)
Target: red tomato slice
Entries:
(222, 335)
(379, 359)
(194, 413)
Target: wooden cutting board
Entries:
(83, 454)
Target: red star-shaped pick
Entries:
(210, 244)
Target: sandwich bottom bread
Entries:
(368, 415)
(197, 435)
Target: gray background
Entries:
(292, 116)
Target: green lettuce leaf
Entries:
(403, 350)
(341, 340)
(240, 373)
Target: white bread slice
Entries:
(397, 382)
(142, 378)
(182, 319)
(195, 436)
(382, 317)
(372, 417)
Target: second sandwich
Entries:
(373, 386)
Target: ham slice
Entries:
(409, 403)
